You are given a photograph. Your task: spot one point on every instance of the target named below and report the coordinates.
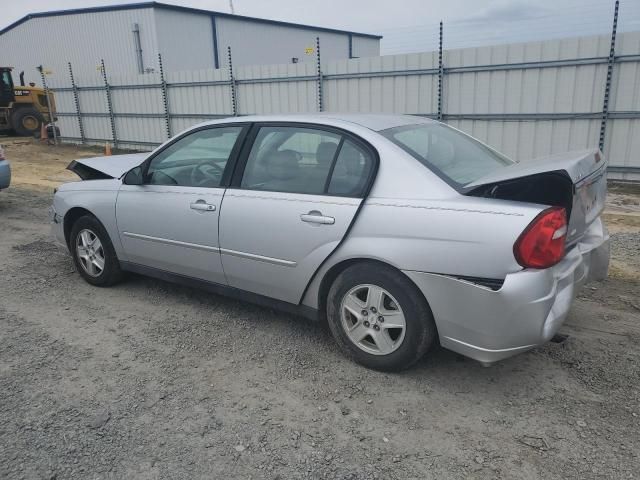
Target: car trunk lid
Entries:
(113, 166)
(576, 181)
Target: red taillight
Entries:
(541, 245)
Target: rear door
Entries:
(170, 222)
(295, 193)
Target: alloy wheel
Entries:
(90, 252)
(373, 319)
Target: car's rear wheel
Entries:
(93, 252)
(379, 318)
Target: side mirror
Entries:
(134, 177)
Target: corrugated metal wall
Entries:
(372, 84)
(260, 43)
(185, 39)
(527, 100)
(198, 96)
(565, 91)
(365, 47)
(83, 40)
(623, 134)
(296, 96)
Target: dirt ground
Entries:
(151, 380)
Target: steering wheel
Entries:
(201, 174)
(160, 178)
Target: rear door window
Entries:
(351, 172)
(300, 159)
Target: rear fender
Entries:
(460, 238)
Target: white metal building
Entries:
(129, 38)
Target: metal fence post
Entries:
(607, 85)
(76, 100)
(165, 98)
(440, 75)
(232, 84)
(107, 89)
(46, 96)
(319, 74)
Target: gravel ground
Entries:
(626, 245)
(150, 380)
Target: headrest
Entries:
(282, 165)
(325, 153)
(350, 156)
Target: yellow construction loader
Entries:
(24, 108)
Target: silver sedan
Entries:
(399, 231)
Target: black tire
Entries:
(420, 330)
(27, 121)
(111, 273)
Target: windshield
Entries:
(457, 158)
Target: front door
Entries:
(171, 221)
(295, 195)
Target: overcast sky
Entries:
(407, 25)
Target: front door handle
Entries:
(203, 206)
(314, 216)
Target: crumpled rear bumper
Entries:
(526, 311)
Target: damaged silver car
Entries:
(400, 231)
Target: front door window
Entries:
(196, 160)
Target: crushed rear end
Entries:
(576, 181)
(529, 307)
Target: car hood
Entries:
(113, 166)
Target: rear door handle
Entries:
(315, 216)
(203, 206)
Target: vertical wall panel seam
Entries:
(214, 33)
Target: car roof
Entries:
(372, 121)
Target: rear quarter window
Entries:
(454, 156)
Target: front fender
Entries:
(100, 202)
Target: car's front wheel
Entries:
(379, 318)
(93, 252)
